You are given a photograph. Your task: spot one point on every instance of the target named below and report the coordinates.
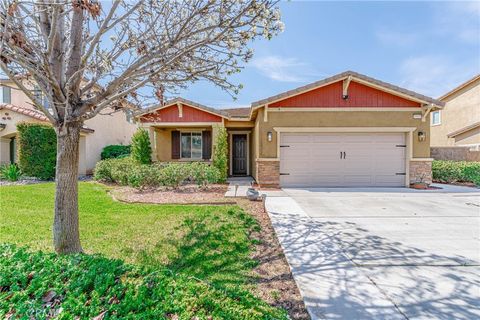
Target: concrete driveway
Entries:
(382, 253)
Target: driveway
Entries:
(382, 253)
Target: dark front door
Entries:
(239, 154)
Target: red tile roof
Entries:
(34, 114)
(25, 111)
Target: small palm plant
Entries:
(10, 172)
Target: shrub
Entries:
(37, 150)
(115, 151)
(203, 173)
(115, 170)
(141, 149)
(10, 172)
(145, 175)
(126, 171)
(37, 285)
(174, 174)
(456, 171)
(220, 154)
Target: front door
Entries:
(239, 154)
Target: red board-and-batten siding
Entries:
(170, 114)
(359, 96)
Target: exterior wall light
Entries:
(2, 126)
(421, 136)
(269, 136)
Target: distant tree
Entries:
(87, 60)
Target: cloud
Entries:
(434, 75)
(280, 69)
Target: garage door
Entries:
(342, 159)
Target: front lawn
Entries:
(198, 249)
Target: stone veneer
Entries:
(421, 167)
(268, 173)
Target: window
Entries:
(435, 118)
(129, 115)
(5, 95)
(38, 94)
(191, 145)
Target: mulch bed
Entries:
(187, 194)
(275, 282)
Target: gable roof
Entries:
(460, 87)
(189, 103)
(238, 112)
(393, 89)
(463, 130)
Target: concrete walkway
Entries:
(238, 186)
(382, 253)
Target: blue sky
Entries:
(428, 47)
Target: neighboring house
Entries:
(346, 130)
(458, 124)
(97, 133)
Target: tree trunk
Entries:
(66, 235)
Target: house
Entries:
(345, 130)
(97, 132)
(458, 124)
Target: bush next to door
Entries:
(456, 171)
(141, 148)
(115, 151)
(220, 153)
(37, 150)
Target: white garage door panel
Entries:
(313, 159)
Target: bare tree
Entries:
(87, 58)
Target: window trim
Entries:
(439, 118)
(201, 146)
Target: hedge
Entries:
(37, 150)
(456, 171)
(127, 171)
(115, 151)
(37, 285)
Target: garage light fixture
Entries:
(269, 136)
(421, 136)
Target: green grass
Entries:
(209, 243)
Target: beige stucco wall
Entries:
(340, 119)
(109, 129)
(461, 109)
(18, 97)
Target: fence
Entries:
(455, 153)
